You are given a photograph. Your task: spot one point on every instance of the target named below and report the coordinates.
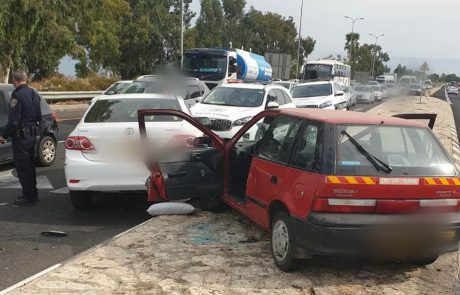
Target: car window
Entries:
(125, 110)
(193, 91)
(311, 90)
(280, 97)
(235, 96)
(271, 96)
(144, 87)
(409, 151)
(3, 104)
(280, 139)
(337, 88)
(287, 98)
(306, 154)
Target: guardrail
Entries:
(69, 95)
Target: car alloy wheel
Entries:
(46, 151)
(280, 240)
(49, 151)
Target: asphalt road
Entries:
(25, 252)
(455, 100)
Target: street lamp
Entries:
(353, 20)
(298, 41)
(181, 33)
(374, 57)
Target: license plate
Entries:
(447, 235)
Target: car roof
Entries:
(251, 86)
(137, 95)
(313, 83)
(348, 117)
(124, 81)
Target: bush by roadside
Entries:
(63, 83)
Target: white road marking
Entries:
(62, 190)
(8, 180)
(29, 279)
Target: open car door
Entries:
(430, 117)
(189, 171)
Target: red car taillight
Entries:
(338, 205)
(79, 143)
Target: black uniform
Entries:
(24, 119)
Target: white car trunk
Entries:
(122, 142)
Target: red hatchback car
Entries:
(323, 182)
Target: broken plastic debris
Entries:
(54, 233)
(170, 209)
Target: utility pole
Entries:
(374, 57)
(353, 20)
(298, 42)
(181, 34)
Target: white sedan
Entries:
(104, 152)
(452, 90)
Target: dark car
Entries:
(323, 182)
(47, 141)
(191, 90)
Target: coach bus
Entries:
(331, 70)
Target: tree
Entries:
(363, 56)
(424, 67)
(434, 77)
(270, 32)
(210, 24)
(234, 14)
(98, 34)
(149, 37)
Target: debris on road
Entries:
(54, 233)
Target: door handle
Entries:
(274, 179)
(177, 174)
(195, 156)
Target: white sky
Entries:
(413, 29)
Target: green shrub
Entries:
(62, 83)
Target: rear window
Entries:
(312, 90)
(410, 151)
(144, 87)
(125, 110)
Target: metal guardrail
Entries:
(68, 95)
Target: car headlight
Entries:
(325, 104)
(242, 121)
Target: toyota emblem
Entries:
(129, 131)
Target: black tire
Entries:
(424, 260)
(283, 254)
(81, 200)
(46, 151)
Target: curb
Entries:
(57, 266)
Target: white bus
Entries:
(331, 70)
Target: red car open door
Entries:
(186, 172)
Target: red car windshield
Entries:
(409, 151)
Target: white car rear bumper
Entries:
(84, 175)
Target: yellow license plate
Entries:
(447, 235)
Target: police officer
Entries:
(24, 119)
